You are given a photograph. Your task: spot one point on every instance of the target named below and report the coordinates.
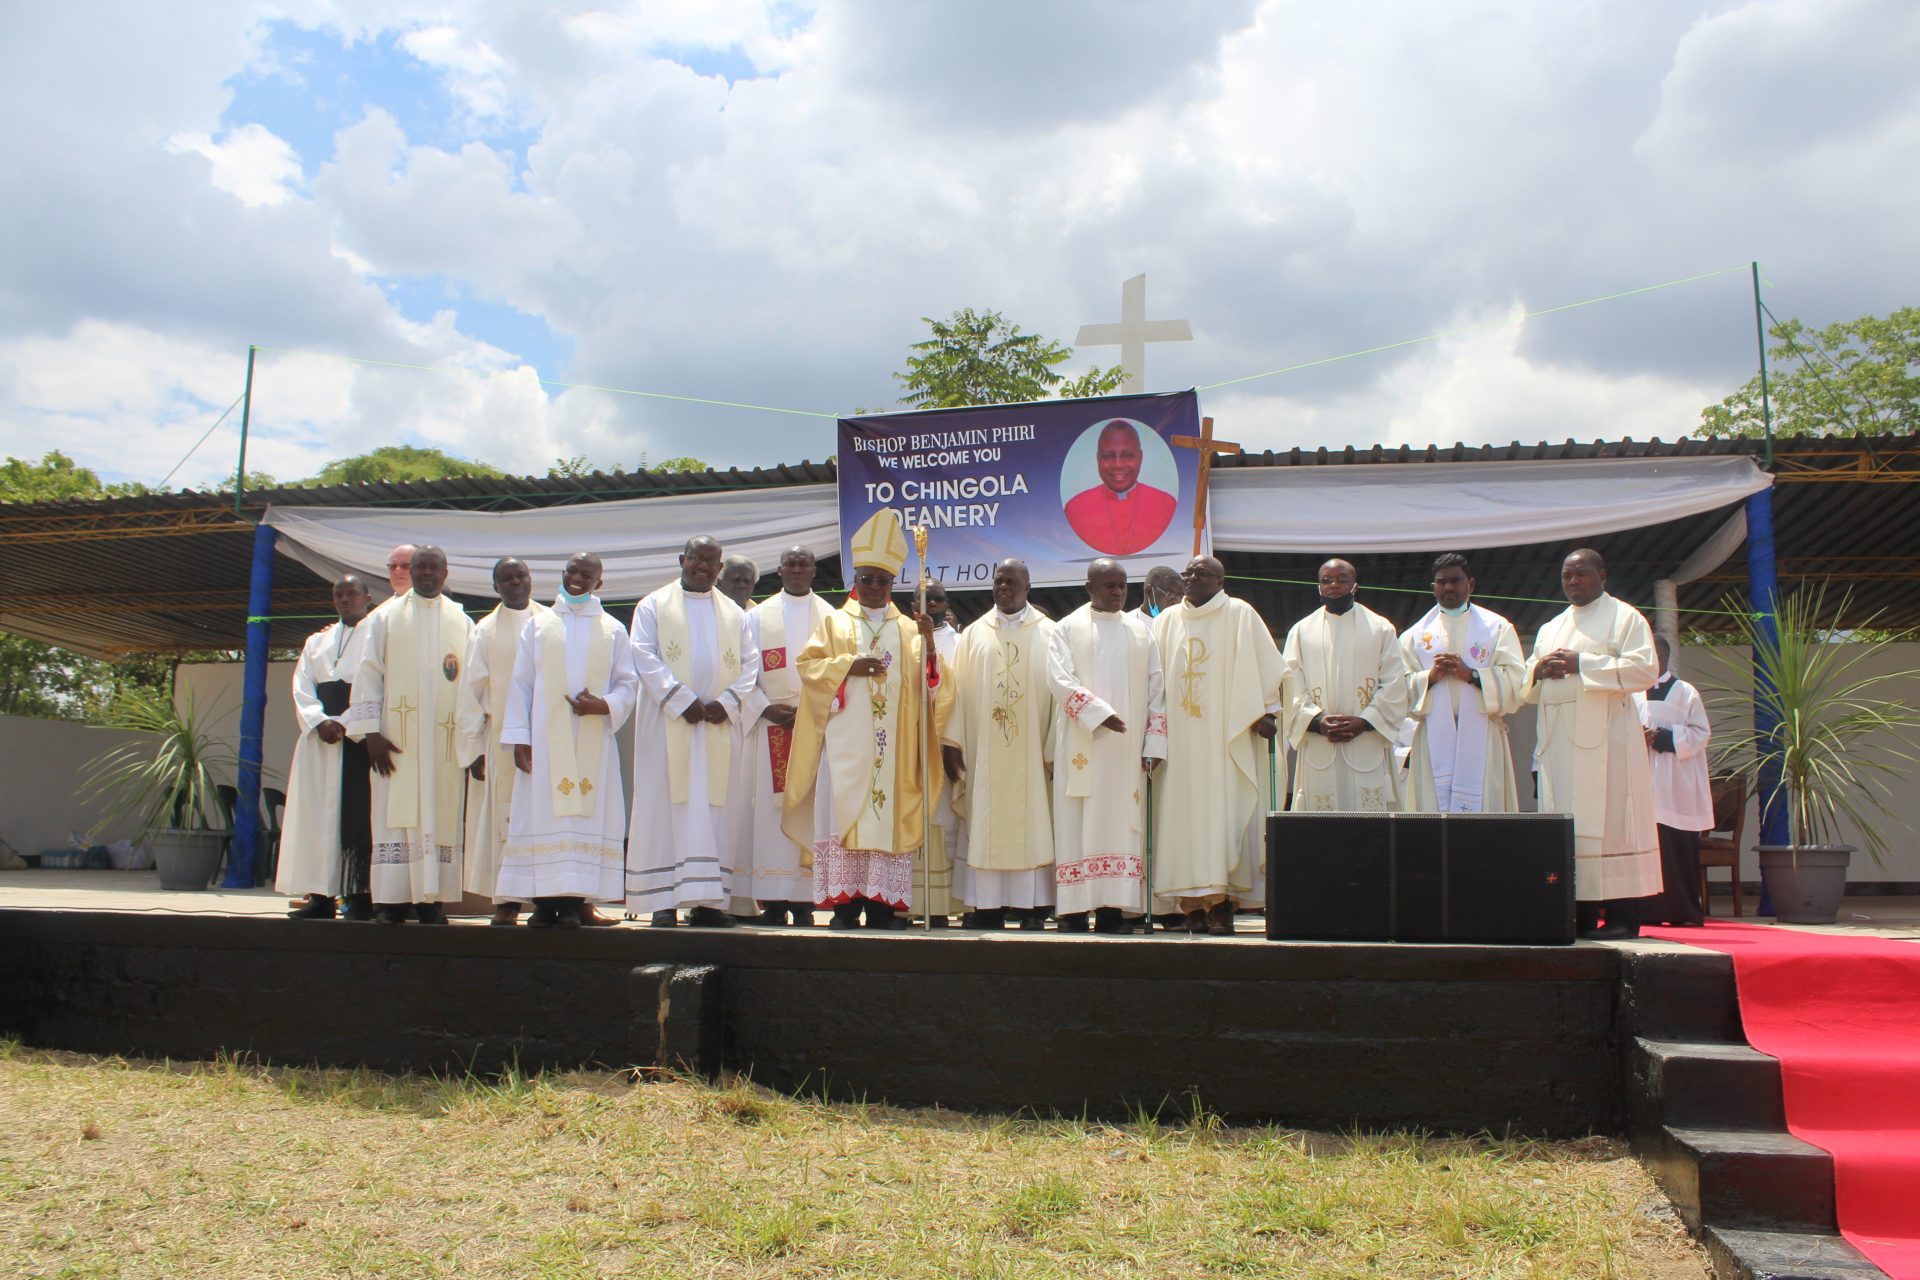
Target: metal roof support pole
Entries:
(245, 866)
(1763, 587)
(246, 412)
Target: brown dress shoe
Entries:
(1220, 920)
(506, 915)
(1197, 920)
(593, 919)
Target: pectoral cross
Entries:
(1207, 446)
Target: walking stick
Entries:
(1149, 898)
(929, 743)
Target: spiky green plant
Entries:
(165, 781)
(1842, 740)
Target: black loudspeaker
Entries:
(1420, 877)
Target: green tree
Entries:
(673, 466)
(1858, 378)
(982, 358)
(395, 463)
(44, 680)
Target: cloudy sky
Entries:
(757, 202)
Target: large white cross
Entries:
(1133, 333)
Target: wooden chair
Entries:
(1716, 850)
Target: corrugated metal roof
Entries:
(170, 571)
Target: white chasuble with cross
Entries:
(1003, 718)
(484, 688)
(1351, 665)
(687, 647)
(406, 690)
(1102, 665)
(569, 820)
(1223, 672)
(1593, 755)
(1460, 761)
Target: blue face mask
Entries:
(575, 600)
(1454, 613)
(1153, 610)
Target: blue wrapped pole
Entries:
(1764, 587)
(242, 866)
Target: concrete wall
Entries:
(38, 800)
(215, 688)
(1724, 677)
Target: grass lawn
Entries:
(136, 1169)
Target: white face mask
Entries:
(1454, 613)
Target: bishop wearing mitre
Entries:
(857, 796)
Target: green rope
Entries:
(1474, 328)
(1478, 595)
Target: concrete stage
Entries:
(1319, 1035)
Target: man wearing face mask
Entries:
(573, 685)
(1467, 672)
(1162, 590)
(1346, 698)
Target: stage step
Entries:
(1746, 1178)
(1785, 1255)
(1708, 1084)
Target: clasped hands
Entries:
(1451, 665)
(1336, 728)
(1557, 665)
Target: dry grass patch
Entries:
(128, 1169)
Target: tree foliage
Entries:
(41, 679)
(395, 463)
(982, 358)
(1870, 387)
(674, 466)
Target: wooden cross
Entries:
(1207, 446)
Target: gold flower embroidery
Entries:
(564, 786)
(1079, 759)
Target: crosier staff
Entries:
(930, 743)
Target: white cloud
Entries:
(250, 162)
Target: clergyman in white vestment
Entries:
(1223, 678)
(697, 669)
(405, 708)
(1587, 664)
(1674, 719)
(998, 740)
(325, 841)
(573, 686)
(484, 686)
(1346, 699)
(773, 866)
(1110, 732)
(1467, 670)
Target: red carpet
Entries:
(1842, 1014)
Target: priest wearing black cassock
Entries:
(327, 840)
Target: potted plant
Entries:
(1842, 739)
(163, 787)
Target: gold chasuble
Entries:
(1223, 672)
(899, 733)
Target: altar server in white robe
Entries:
(772, 865)
(405, 706)
(1110, 733)
(1346, 699)
(484, 686)
(1466, 670)
(1673, 718)
(1223, 679)
(1587, 664)
(858, 779)
(697, 668)
(998, 740)
(325, 841)
(573, 686)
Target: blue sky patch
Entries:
(419, 298)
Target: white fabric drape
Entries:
(1361, 508)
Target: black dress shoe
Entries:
(568, 918)
(430, 913)
(359, 907)
(708, 918)
(392, 913)
(800, 914)
(938, 922)
(882, 916)
(545, 916)
(774, 913)
(319, 906)
(1196, 920)
(1611, 932)
(1110, 920)
(1072, 922)
(995, 918)
(1033, 919)
(1220, 920)
(665, 920)
(845, 916)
